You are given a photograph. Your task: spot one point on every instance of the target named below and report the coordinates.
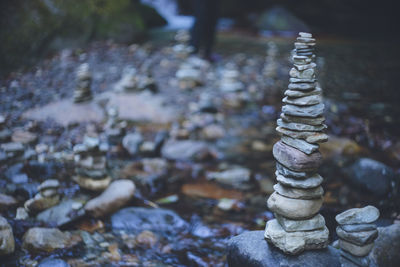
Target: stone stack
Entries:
(298, 193)
(182, 48)
(47, 197)
(91, 164)
(357, 233)
(271, 67)
(115, 130)
(82, 91)
(230, 81)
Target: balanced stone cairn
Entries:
(298, 193)
(114, 129)
(182, 49)
(47, 197)
(91, 164)
(230, 81)
(357, 233)
(82, 91)
(271, 66)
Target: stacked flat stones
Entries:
(230, 81)
(82, 91)
(47, 197)
(91, 164)
(298, 194)
(357, 233)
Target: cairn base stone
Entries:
(250, 249)
(295, 242)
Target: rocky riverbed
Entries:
(159, 171)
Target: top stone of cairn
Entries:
(368, 214)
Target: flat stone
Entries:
(289, 173)
(65, 112)
(299, 193)
(309, 111)
(7, 242)
(357, 238)
(50, 183)
(314, 223)
(305, 39)
(92, 184)
(358, 227)
(307, 183)
(304, 74)
(297, 209)
(305, 67)
(302, 86)
(300, 144)
(358, 261)
(250, 249)
(356, 250)
(298, 80)
(295, 242)
(50, 262)
(12, 147)
(310, 137)
(303, 101)
(368, 214)
(296, 160)
(310, 121)
(117, 194)
(297, 93)
(300, 126)
(39, 203)
(305, 34)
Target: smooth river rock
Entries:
(303, 101)
(387, 246)
(289, 173)
(45, 239)
(118, 194)
(310, 121)
(250, 249)
(296, 160)
(7, 242)
(296, 93)
(368, 214)
(295, 242)
(296, 209)
(358, 227)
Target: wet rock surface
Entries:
(251, 249)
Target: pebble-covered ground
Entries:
(199, 158)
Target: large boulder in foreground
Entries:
(250, 249)
(386, 252)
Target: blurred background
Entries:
(121, 83)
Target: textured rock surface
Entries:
(387, 246)
(114, 197)
(294, 208)
(250, 249)
(292, 192)
(316, 222)
(295, 242)
(311, 182)
(295, 159)
(358, 238)
(7, 243)
(300, 144)
(368, 214)
(356, 250)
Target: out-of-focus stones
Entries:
(7, 243)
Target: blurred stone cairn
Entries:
(270, 66)
(298, 194)
(82, 91)
(131, 80)
(357, 233)
(182, 49)
(114, 129)
(91, 164)
(230, 80)
(190, 72)
(47, 197)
